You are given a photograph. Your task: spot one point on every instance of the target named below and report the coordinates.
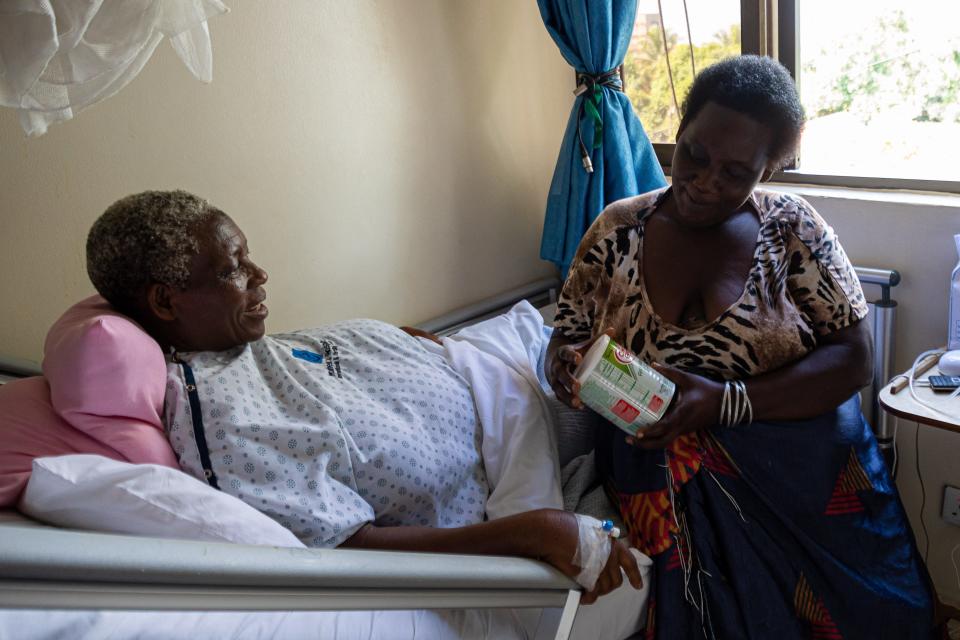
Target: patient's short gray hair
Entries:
(142, 239)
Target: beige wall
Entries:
(387, 159)
(384, 158)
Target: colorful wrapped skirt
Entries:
(773, 530)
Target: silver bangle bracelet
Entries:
(735, 408)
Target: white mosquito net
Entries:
(60, 56)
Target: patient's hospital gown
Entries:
(327, 429)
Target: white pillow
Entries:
(93, 492)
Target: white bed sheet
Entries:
(262, 625)
(620, 614)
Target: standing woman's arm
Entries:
(824, 288)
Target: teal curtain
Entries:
(593, 36)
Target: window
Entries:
(880, 81)
(697, 33)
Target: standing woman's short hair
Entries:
(756, 86)
(142, 239)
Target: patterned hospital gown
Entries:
(325, 430)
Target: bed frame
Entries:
(50, 568)
(44, 567)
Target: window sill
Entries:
(896, 196)
(866, 188)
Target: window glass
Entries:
(880, 82)
(715, 33)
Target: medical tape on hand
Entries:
(593, 550)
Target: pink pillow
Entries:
(29, 428)
(107, 379)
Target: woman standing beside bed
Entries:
(778, 520)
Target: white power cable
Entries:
(911, 376)
(913, 391)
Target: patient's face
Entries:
(222, 306)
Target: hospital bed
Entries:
(44, 567)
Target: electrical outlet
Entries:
(951, 505)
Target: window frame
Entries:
(770, 27)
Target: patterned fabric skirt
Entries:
(773, 530)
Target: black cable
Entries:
(666, 53)
(686, 18)
(923, 495)
(586, 83)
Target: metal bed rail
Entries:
(19, 367)
(543, 291)
(883, 328)
(49, 568)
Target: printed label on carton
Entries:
(624, 389)
(655, 403)
(626, 411)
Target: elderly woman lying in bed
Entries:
(358, 434)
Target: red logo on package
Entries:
(625, 411)
(655, 403)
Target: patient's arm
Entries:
(420, 333)
(545, 534)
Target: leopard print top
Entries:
(801, 286)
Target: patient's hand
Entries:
(561, 542)
(420, 333)
(620, 561)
